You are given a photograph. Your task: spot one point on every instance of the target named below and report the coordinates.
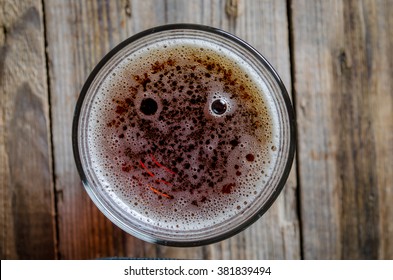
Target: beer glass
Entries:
(183, 135)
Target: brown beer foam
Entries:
(183, 167)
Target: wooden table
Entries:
(336, 60)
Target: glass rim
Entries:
(260, 58)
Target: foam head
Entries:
(182, 136)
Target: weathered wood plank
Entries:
(80, 34)
(343, 84)
(26, 191)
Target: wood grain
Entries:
(26, 191)
(80, 33)
(343, 85)
(342, 71)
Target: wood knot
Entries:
(232, 8)
(343, 61)
(127, 8)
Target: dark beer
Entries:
(182, 135)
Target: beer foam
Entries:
(177, 163)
